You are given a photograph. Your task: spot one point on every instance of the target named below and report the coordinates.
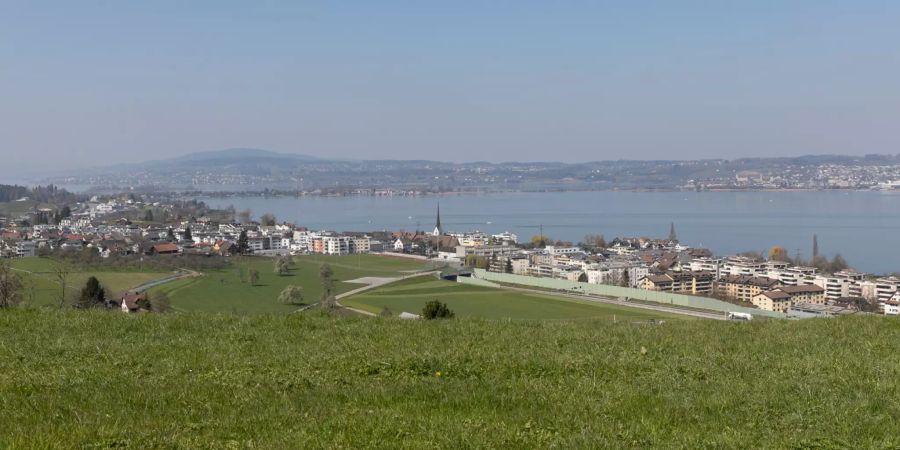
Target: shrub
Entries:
(436, 310)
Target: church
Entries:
(438, 230)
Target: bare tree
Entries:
(10, 286)
(61, 271)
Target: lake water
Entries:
(863, 226)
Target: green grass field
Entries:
(484, 302)
(94, 379)
(42, 288)
(223, 291)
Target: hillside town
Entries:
(123, 226)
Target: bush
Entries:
(436, 310)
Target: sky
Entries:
(93, 83)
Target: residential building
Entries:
(25, 248)
(745, 287)
(891, 308)
(687, 282)
(885, 288)
(360, 245)
(777, 300)
(336, 245)
(783, 298)
(705, 264)
(744, 266)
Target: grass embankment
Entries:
(72, 379)
(491, 303)
(223, 290)
(42, 287)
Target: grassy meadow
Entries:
(42, 288)
(490, 303)
(228, 290)
(95, 379)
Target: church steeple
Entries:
(438, 230)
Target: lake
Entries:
(861, 225)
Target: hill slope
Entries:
(197, 381)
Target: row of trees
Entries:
(778, 253)
(42, 194)
(246, 216)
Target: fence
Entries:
(666, 298)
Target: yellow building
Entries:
(745, 287)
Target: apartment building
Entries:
(486, 251)
(885, 288)
(743, 266)
(776, 300)
(336, 245)
(687, 282)
(711, 265)
(745, 287)
(360, 245)
(783, 298)
(792, 276)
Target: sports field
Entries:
(410, 295)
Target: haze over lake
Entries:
(861, 225)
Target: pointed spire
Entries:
(438, 230)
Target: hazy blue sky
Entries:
(95, 82)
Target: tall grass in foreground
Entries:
(96, 379)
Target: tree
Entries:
(540, 240)
(509, 266)
(815, 249)
(436, 310)
(583, 278)
(386, 312)
(170, 235)
(626, 278)
(282, 266)
(326, 277)
(65, 212)
(10, 286)
(92, 295)
(592, 241)
(254, 277)
(291, 295)
(61, 272)
(187, 234)
(243, 243)
(838, 263)
(672, 235)
(267, 220)
(777, 253)
(244, 216)
(148, 215)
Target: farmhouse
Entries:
(163, 249)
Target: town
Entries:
(124, 226)
(260, 172)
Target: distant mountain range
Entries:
(246, 169)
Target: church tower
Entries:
(438, 230)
